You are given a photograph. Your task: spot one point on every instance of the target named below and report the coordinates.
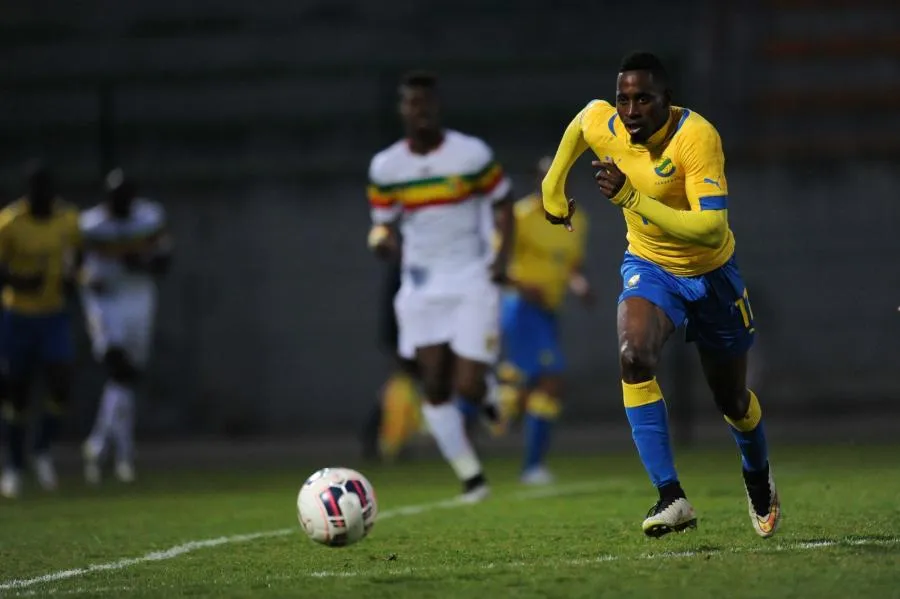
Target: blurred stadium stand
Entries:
(254, 123)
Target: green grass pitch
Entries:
(233, 533)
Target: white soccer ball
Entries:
(337, 506)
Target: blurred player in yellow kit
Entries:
(39, 237)
(546, 262)
(664, 166)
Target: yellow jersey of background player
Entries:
(39, 236)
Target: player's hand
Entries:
(383, 242)
(566, 220)
(609, 177)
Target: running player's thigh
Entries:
(642, 326)
(435, 366)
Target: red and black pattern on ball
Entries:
(329, 498)
(359, 489)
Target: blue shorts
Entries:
(714, 307)
(530, 338)
(31, 339)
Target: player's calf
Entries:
(446, 422)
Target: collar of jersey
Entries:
(657, 139)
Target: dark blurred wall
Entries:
(254, 124)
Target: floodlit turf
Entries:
(579, 538)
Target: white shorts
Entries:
(124, 321)
(467, 318)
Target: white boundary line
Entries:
(173, 552)
(764, 547)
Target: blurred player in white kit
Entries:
(449, 197)
(126, 248)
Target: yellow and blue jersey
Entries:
(35, 325)
(38, 246)
(682, 166)
(545, 256)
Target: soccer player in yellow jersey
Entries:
(545, 263)
(38, 239)
(664, 166)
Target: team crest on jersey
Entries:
(491, 342)
(633, 281)
(666, 168)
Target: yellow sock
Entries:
(543, 405)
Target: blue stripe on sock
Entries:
(650, 431)
(753, 448)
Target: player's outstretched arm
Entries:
(557, 207)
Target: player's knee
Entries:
(637, 361)
(734, 404)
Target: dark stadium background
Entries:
(253, 122)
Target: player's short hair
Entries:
(419, 78)
(646, 61)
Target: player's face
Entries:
(642, 104)
(419, 109)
